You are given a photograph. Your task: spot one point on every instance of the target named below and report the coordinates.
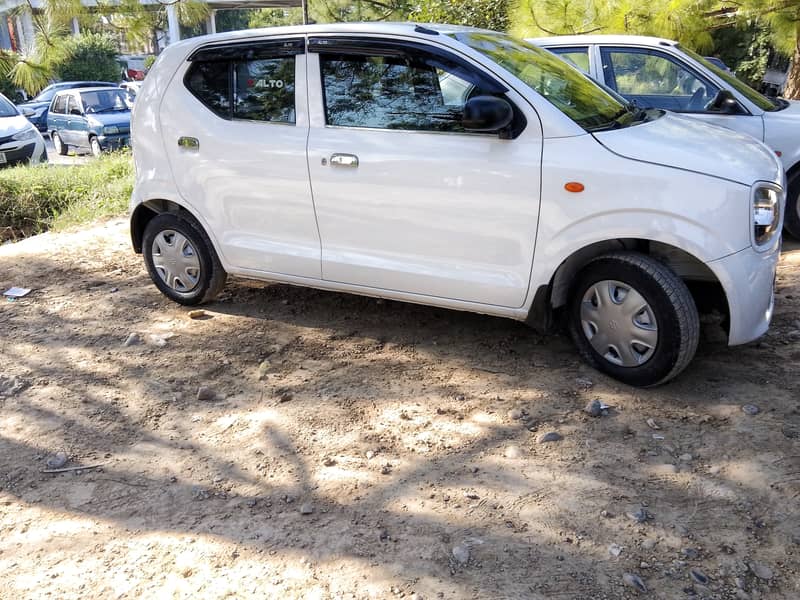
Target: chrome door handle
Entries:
(189, 143)
(344, 160)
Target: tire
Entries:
(181, 260)
(61, 147)
(633, 318)
(791, 221)
(95, 146)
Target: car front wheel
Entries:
(181, 260)
(792, 220)
(61, 147)
(95, 146)
(633, 318)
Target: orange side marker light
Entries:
(573, 186)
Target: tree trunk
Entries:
(792, 89)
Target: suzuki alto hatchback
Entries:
(656, 73)
(454, 167)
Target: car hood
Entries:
(33, 105)
(12, 125)
(112, 118)
(691, 145)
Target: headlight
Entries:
(25, 134)
(110, 129)
(767, 200)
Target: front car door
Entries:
(654, 78)
(406, 199)
(235, 127)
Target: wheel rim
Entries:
(619, 323)
(56, 142)
(95, 147)
(175, 260)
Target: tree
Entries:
(487, 14)
(92, 57)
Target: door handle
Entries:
(344, 160)
(189, 143)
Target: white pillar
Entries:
(211, 25)
(27, 25)
(174, 33)
(76, 27)
(21, 41)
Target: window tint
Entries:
(577, 57)
(210, 83)
(653, 79)
(395, 92)
(60, 105)
(264, 90)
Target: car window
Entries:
(416, 93)
(60, 105)
(577, 57)
(653, 79)
(264, 90)
(6, 108)
(210, 83)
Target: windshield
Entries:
(6, 108)
(46, 94)
(109, 100)
(569, 90)
(740, 86)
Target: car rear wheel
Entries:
(633, 318)
(61, 147)
(95, 146)
(791, 221)
(181, 260)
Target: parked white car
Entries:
(657, 73)
(458, 168)
(20, 141)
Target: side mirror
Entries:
(27, 112)
(724, 102)
(487, 114)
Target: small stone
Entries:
(550, 436)
(714, 470)
(698, 576)
(594, 408)
(206, 394)
(57, 460)
(750, 409)
(306, 508)
(513, 452)
(584, 382)
(285, 397)
(386, 469)
(471, 496)
(158, 340)
(635, 582)
(614, 550)
(640, 516)
(263, 370)
(685, 457)
(328, 461)
(461, 554)
(761, 571)
(690, 553)
(648, 544)
(132, 340)
(515, 414)
(652, 424)
(370, 454)
(197, 314)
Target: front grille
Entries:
(19, 155)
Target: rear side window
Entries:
(250, 82)
(60, 105)
(577, 57)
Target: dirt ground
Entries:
(354, 448)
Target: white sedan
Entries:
(20, 141)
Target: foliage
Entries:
(149, 61)
(233, 19)
(271, 17)
(487, 14)
(33, 199)
(92, 57)
(746, 48)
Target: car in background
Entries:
(20, 141)
(656, 73)
(132, 87)
(96, 119)
(40, 104)
(133, 67)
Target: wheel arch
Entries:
(146, 211)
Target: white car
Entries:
(454, 167)
(20, 141)
(657, 73)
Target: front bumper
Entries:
(748, 278)
(26, 152)
(114, 142)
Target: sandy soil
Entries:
(356, 448)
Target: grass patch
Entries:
(35, 199)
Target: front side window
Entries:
(264, 90)
(60, 105)
(653, 79)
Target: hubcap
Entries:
(176, 261)
(619, 323)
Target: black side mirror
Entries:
(487, 114)
(724, 102)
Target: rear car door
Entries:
(235, 126)
(406, 199)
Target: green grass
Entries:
(35, 199)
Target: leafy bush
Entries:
(92, 57)
(34, 199)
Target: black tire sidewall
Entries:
(161, 223)
(668, 347)
(791, 220)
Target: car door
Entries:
(235, 128)
(653, 78)
(57, 117)
(407, 200)
(74, 112)
(79, 122)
